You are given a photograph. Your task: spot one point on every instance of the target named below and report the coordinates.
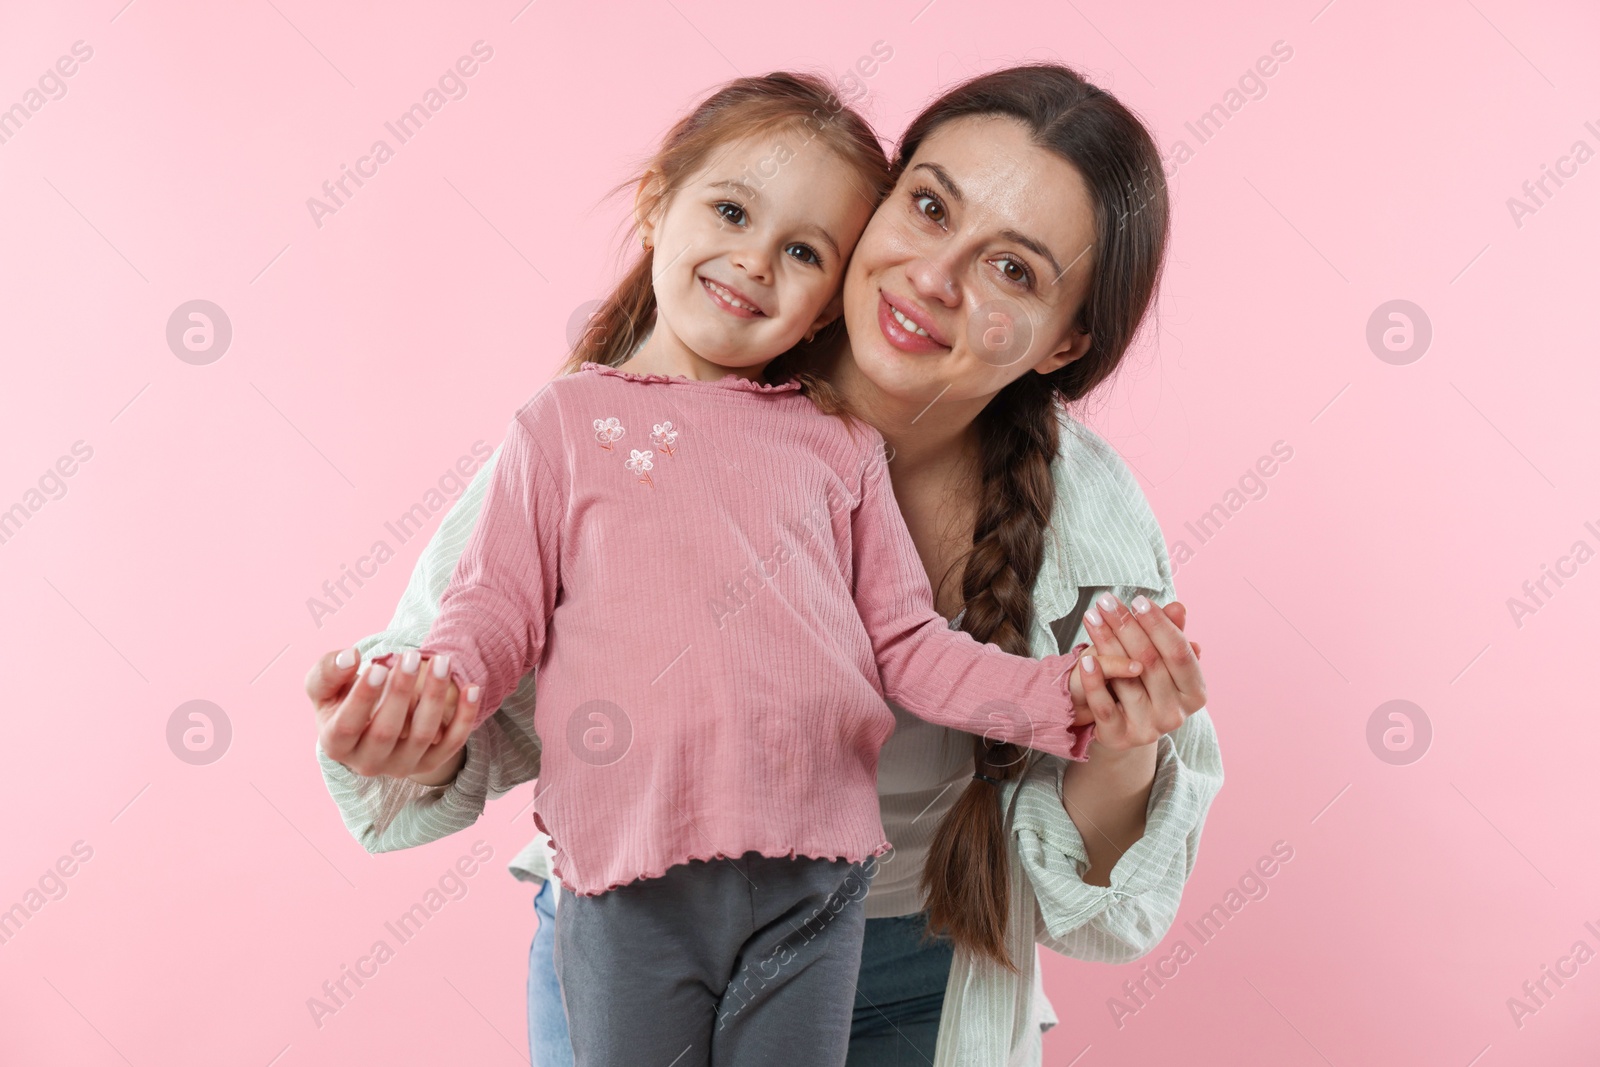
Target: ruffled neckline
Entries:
(727, 381)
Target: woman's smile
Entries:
(908, 327)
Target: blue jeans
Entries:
(899, 993)
(547, 1016)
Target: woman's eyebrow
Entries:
(1037, 247)
(1033, 245)
(944, 179)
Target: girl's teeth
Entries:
(729, 297)
(907, 323)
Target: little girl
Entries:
(709, 571)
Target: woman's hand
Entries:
(419, 729)
(1132, 712)
(1100, 667)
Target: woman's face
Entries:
(970, 274)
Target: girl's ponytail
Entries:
(615, 327)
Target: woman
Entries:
(1007, 271)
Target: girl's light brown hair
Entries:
(803, 105)
(966, 880)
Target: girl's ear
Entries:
(834, 309)
(647, 202)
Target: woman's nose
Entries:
(933, 279)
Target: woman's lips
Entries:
(902, 338)
(711, 290)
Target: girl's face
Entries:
(972, 272)
(750, 250)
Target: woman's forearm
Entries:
(1106, 797)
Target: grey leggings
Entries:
(748, 961)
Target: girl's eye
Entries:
(729, 212)
(804, 253)
(1015, 270)
(928, 205)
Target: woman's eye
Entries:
(929, 206)
(730, 212)
(804, 253)
(1015, 271)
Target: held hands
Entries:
(1097, 669)
(405, 722)
(1131, 711)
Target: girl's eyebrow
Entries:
(738, 187)
(808, 227)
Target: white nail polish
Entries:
(441, 666)
(376, 674)
(345, 660)
(472, 694)
(1108, 602)
(1093, 616)
(1141, 604)
(1088, 665)
(410, 660)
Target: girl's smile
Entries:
(731, 300)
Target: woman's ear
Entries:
(647, 206)
(1074, 346)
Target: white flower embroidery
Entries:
(641, 463)
(664, 436)
(607, 431)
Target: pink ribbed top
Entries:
(717, 589)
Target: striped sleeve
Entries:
(1128, 918)
(388, 813)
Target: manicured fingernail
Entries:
(1088, 664)
(472, 694)
(1093, 616)
(345, 660)
(409, 661)
(1108, 602)
(441, 666)
(376, 674)
(1141, 604)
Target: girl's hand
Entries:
(420, 725)
(1133, 712)
(1097, 667)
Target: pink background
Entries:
(369, 354)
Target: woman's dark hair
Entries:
(966, 882)
(783, 102)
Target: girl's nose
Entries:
(754, 261)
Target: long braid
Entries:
(966, 878)
(1019, 434)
